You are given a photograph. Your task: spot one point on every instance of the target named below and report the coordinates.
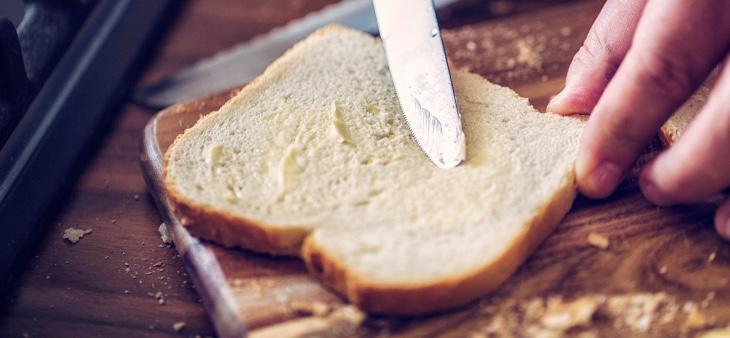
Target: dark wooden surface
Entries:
(661, 252)
(79, 290)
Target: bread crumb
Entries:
(712, 257)
(598, 240)
(351, 314)
(637, 311)
(566, 31)
(471, 45)
(157, 295)
(640, 313)
(706, 302)
(74, 235)
(164, 234)
(663, 269)
(535, 308)
(317, 309)
(178, 326)
(527, 55)
(563, 316)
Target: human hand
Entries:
(641, 60)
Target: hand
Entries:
(641, 60)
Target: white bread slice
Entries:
(314, 159)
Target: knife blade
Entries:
(421, 77)
(244, 62)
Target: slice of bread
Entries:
(314, 159)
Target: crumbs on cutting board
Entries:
(507, 53)
(73, 235)
(598, 240)
(164, 235)
(339, 322)
(712, 257)
(159, 296)
(555, 316)
(178, 326)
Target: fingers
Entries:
(698, 165)
(722, 220)
(676, 44)
(599, 57)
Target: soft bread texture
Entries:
(314, 159)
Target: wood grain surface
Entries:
(669, 256)
(85, 289)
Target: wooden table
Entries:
(110, 283)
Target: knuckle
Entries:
(666, 74)
(596, 50)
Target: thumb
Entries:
(597, 60)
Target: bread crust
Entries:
(410, 300)
(232, 231)
(235, 232)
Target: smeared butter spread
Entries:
(338, 129)
(213, 160)
(230, 195)
(285, 170)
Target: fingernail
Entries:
(654, 194)
(604, 179)
(726, 229)
(555, 102)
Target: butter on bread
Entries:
(314, 159)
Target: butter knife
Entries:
(421, 77)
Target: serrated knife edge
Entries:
(421, 77)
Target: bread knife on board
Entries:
(421, 76)
(242, 63)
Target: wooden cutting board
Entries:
(666, 260)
